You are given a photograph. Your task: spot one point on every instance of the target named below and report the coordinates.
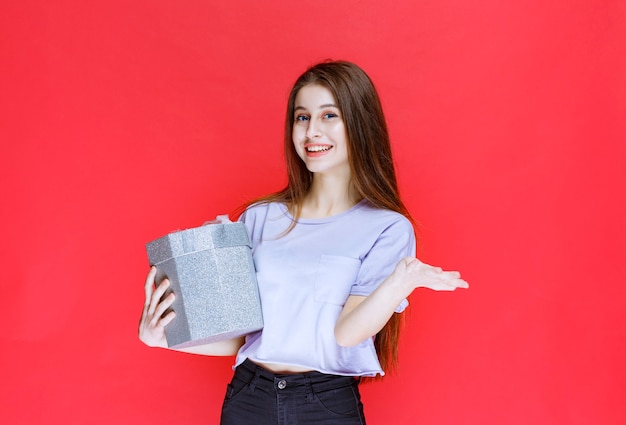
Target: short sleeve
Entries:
(395, 242)
(249, 218)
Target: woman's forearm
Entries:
(364, 317)
(228, 347)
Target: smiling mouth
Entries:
(318, 148)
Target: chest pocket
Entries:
(334, 279)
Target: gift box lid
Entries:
(209, 236)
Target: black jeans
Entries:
(256, 396)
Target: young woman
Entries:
(334, 255)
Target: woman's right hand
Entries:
(152, 324)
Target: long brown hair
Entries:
(369, 154)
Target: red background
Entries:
(124, 120)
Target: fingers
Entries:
(162, 308)
(452, 280)
(450, 276)
(155, 316)
(454, 275)
(149, 285)
(453, 283)
(167, 319)
(435, 278)
(155, 298)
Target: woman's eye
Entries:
(302, 118)
(328, 115)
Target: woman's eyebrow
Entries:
(326, 105)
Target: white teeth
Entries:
(317, 148)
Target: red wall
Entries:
(123, 120)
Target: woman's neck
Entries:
(327, 197)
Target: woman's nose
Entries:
(312, 130)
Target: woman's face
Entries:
(319, 133)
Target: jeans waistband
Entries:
(256, 375)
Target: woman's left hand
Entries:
(363, 317)
(413, 273)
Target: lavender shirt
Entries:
(306, 276)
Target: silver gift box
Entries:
(212, 274)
